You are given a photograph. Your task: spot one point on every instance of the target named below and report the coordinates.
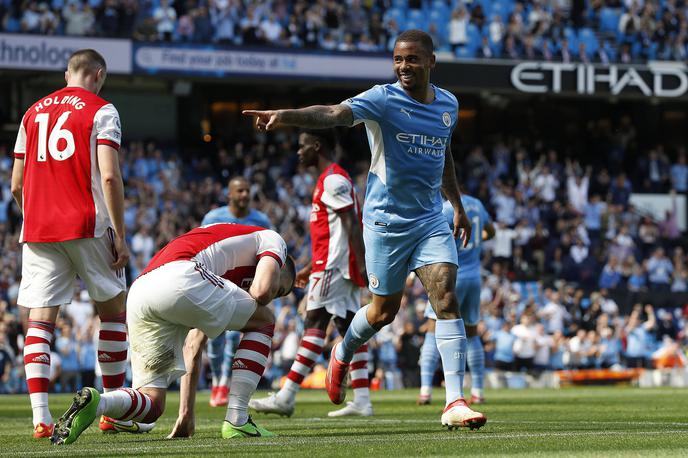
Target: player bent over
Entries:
(335, 275)
(195, 283)
(67, 181)
(409, 126)
(468, 295)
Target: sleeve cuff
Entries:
(103, 141)
(272, 255)
(18, 155)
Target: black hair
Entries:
(416, 36)
(290, 267)
(326, 137)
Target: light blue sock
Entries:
(359, 332)
(476, 361)
(232, 339)
(429, 357)
(451, 342)
(216, 355)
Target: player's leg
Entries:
(249, 365)
(39, 336)
(310, 349)
(365, 324)
(141, 406)
(92, 259)
(434, 261)
(216, 348)
(468, 294)
(232, 339)
(361, 406)
(387, 255)
(47, 282)
(429, 358)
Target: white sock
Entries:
(216, 380)
(288, 392)
(426, 391)
(237, 408)
(224, 381)
(477, 392)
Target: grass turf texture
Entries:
(609, 421)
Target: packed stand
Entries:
(602, 31)
(568, 239)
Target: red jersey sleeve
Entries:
(270, 243)
(20, 144)
(107, 126)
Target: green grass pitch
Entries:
(610, 421)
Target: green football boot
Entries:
(248, 429)
(77, 418)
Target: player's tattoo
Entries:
(319, 116)
(439, 280)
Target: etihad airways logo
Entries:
(423, 144)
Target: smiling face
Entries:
(412, 65)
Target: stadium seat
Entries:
(588, 37)
(416, 15)
(400, 4)
(609, 20)
(474, 35)
(465, 52)
(398, 15)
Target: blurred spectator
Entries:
(638, 337)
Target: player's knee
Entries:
(446, 306)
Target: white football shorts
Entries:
(164, 304)
(49, 270)
(330, 290)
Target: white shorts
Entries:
(49, 271)
(330, 290)
(166, 303)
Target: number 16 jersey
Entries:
(62, 195)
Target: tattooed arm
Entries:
(450, 188)
(313, 117)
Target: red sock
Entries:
(37, 367)
(112, 350)
(309, 351)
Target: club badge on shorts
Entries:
(373, 281)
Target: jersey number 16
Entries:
(56, 134)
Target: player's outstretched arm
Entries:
(113, 190)
(313, 117)
(450, 188)
(185, 426)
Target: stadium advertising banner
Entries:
(222, 62)
(34, 52)
(656, 79)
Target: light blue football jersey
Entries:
(407, 141)
(469, 257)
(224, 215)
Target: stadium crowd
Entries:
(554, 30)
(567, 238)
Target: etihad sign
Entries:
(659, 79)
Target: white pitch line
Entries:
(174, 446)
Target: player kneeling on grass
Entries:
(195, 284)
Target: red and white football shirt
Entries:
(231, 251)
(62, 195)
(334, 193)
